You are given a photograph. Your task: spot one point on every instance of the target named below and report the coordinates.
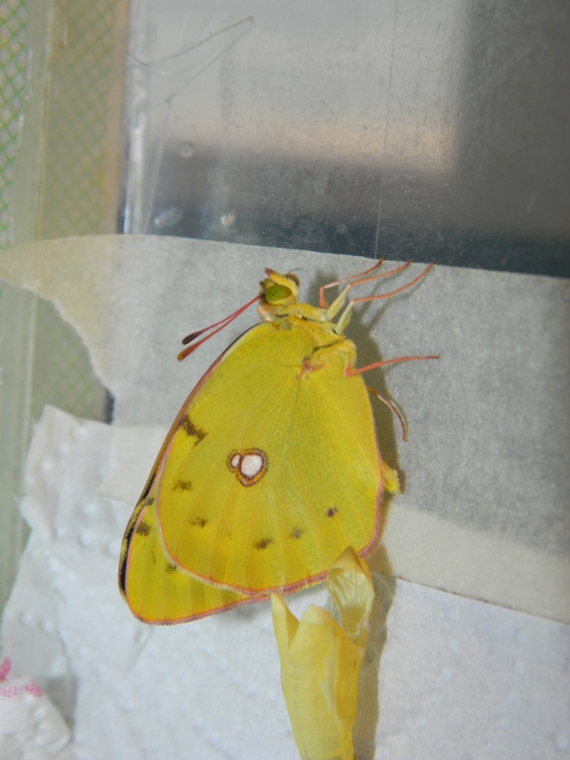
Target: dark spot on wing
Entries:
(190, 429)
(296, 532)
(170, 568)
(183, 485)
(143, 528)
(331, 512)
(264, 543)
(199, 521)
(150, 501)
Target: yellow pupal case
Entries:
(350, 585)
(320, 662)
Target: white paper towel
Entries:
(457, 678)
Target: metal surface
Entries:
(423, 129)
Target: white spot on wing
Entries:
(251, 465)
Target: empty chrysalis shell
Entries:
(320, 661)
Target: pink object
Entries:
(13, 689)
(5, 668)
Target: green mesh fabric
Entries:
(81, 79)
(12, 80)
(75, 68)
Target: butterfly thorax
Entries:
(279, 305)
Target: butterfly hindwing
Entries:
(156, 590)
(273, 470)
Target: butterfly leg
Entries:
(392, 293)
(393, 408)
(322, 298)
(338, 303)
(359, 279)
(375, 365)
(336, 306)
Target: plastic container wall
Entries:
(432, 131)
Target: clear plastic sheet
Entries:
(431, 130)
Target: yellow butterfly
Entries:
(271, 468)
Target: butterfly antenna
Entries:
(222, 323)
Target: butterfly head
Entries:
(279, 289)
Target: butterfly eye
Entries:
(279, 289)
(275, 293)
